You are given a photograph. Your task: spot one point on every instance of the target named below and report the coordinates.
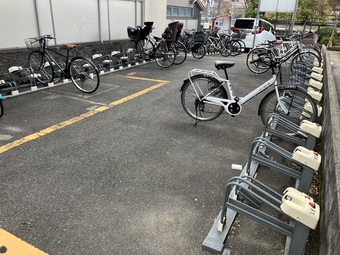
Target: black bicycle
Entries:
(82, 72)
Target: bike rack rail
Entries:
(302, 212)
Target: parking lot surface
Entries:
(124, 170)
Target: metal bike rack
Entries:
(307, 161)
(281, 127)
(214, 241)
(302, 212)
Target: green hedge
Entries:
(325, 34)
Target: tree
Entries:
(334, 4)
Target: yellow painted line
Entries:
(12, 245)
(83, 116)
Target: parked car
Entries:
(244, 29)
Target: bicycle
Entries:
(149, 46)
(82, 72)
(258, 59)
(205, 95)
(214, 43)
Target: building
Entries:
(186, 11)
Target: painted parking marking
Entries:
(43, 132)
(12, 245)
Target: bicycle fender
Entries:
(198, 76)
(184, 82)
(263, 99)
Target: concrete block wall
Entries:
(330, 199)
(19, 57)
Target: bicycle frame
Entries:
(64, 71)
(233, 99)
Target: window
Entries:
(175, 11)
(168, 11)
(182, 12)
(172, 11)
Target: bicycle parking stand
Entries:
(302, 212)
(306, 160)
(214, 241)
(281, 127)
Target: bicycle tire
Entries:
(194, 106)
(84, 74)
(313, 49)
(181, 53)
(145, 49)
(258, 64)
(198, 51)
(243, 45)
(295, 100)
(1, 107)
(165, 55)
(234, 47)
(308, 58)
(41, 66)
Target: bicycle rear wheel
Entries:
(192, 97)
(181, 53)
(84, 74)
(165, 55)
(235, 47)
(41, 66)
(297, 102)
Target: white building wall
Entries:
(76, 21)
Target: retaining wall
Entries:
(330, 194)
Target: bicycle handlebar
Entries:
(42, 37)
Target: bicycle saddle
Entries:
(219, 64)
(69, 46)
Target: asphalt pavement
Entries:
(124, 170)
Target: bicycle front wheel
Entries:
(181, 53)
(165, 55)
(193, 97)
(296, 104)
(84, 75)
(41, 66)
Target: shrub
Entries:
(324, 35)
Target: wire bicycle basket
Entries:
(200, 37)
(33, 44)
(291, 75)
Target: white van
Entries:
(243, 28)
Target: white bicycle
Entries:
(205, 95)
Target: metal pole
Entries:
(37, 16)
(257, 22)
(294, 16)
(53, 25)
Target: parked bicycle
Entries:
(205, 95)
(149, 46)
(82, 72)
(258, 59)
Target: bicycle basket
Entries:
(133, 34)
(292, 75)
(200, 37)
(33, 43)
